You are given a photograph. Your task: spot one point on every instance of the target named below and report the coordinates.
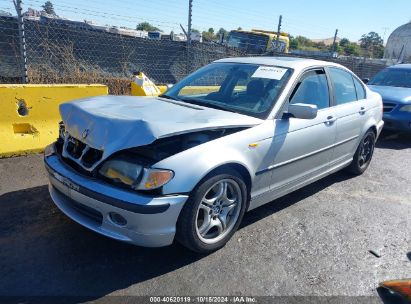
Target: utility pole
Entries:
(335, 41)
(279, 32)
(22, 40)
(188, 58)
(190, 14)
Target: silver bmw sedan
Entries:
(232, 136)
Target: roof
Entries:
(289, 62)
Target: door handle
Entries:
(362, 110)
(330, 119)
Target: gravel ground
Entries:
(315, 241)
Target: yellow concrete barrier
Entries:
(137, 90)
(151, 90)
(29, 114)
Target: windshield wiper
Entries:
(206, 104)
(169, 97)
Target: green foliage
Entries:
(145, 26)
(373, 44)
(209, 35)
(221, 32)
(305, 44)
(48, 8)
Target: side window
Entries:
(360, 89)
(312, 89)
(343, 83)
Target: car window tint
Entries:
(359, 88)
(312, 89)
(343, 83)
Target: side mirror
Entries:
(302, 111)
(366, 80)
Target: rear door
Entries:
(349, 101)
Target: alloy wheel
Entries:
(218, 211)
(366, 151)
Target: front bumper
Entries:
(398, 121)
(150, 221)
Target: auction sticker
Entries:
(269, 72)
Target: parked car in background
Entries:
(394, 85)
(232, 136)
(258, 41)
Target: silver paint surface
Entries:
(288, 153)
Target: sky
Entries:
(315, 19)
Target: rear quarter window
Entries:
(360, 89)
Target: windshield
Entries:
(247, 41)
(248, 89)
(393, 78)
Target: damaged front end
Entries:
(119, 139)
(132, 168)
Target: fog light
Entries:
(117, 219)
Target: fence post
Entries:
(22, 40)
(279, 33)
(335, 42)
(190, 10)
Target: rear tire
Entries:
(213, 212)
(363, 154)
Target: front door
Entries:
(303, 148)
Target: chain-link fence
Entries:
(67, 52)
(64, 51)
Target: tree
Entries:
(344, 42)
(145, 26)
(349, 48)
(222, 32)
(373, 44)
(209, 35)
(239, 28)
(48, 8)
(300, 43)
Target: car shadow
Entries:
(293, 198)
(394, 140)
(44, 253)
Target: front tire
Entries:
(213, 212)
(363, 154)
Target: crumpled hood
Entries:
(113, 123)
(394, 94)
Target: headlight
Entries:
(406, 108)
(134, 175)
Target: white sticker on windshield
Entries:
(269, 72)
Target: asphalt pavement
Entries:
(315, 241)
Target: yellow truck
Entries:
(258, 41)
